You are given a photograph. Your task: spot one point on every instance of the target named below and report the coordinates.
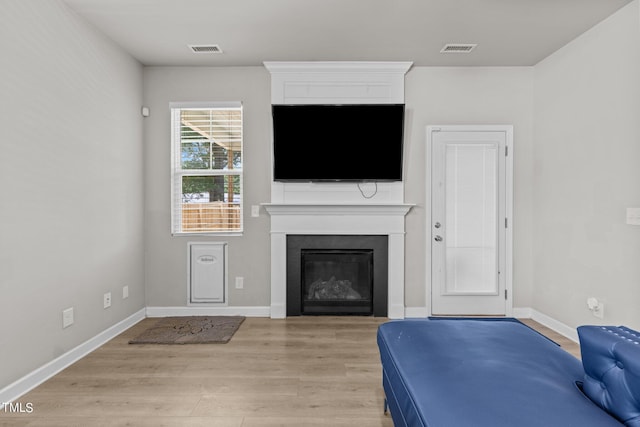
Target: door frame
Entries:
(508, 130)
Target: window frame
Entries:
(177, 172)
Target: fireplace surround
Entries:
(338, 219)
(338, 208)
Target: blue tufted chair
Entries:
(611, 360)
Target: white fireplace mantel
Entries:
(340, 209)
(354, 219)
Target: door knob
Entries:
(438, 238)
(436, 225)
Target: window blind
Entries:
(206, 168)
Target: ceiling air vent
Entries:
(458, 48)
(205, 48)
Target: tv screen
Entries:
(351, 142)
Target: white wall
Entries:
(71, 206)
(586, 170)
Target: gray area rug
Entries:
(191, 330)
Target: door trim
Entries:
(508, 130)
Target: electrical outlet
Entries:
(107, 300)
(599, 311)
(633, 216)
(239, 282)
(596, 307)
(125, 292)
(255, 211)
(67, 317)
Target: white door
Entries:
(470, 209)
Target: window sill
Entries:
(210, 234)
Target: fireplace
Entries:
(292, 221)
(338, 208)
(337, 275)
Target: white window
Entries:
(206, 168)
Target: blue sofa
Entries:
(500, 372)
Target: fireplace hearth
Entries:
(337, 275)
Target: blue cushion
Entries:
(496, 373)
(611, 360)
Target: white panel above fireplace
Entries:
(366, 193)
(337, 82)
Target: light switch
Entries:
(255, 210)
(633, 216)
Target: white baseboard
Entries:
(30, 381)
(522, 312)
(409, 312)
(208, 311)
(549, 322)
(35, 378)
(395, 311)
(278, 311)
(559, 327)
(416, 312)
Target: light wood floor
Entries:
(304, 371)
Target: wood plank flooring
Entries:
(301, 371)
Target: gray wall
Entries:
(471, 95)
(586, 156)
(433, 96)
(71, 196)
(166, 256)
(567, 182)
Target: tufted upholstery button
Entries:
(619, 364)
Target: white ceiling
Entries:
(508, 32)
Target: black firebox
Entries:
(337, 275)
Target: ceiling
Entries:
(507, 32)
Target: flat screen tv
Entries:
(347, 142)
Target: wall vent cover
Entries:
(458, 48)
(205, 48)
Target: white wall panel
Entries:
(207, 272)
